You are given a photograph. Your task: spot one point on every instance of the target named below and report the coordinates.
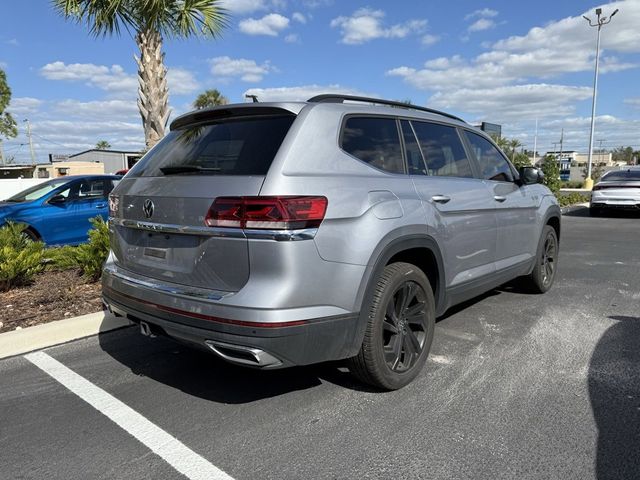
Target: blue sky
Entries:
(499, 61)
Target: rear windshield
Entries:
(244, 146)
(633, 175)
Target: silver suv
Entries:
(280, 234)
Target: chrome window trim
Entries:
(252, 234)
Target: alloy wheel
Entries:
(404, 327)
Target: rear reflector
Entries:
(267, 213)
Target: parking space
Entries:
(517, 386)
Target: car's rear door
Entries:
(457, 205)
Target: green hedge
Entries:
(572, 198)
(20, 257)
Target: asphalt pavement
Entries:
(517, 386)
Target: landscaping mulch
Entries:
(54, 295)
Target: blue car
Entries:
(57, 212)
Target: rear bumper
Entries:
(605, 203)
(605, 199)
(248, 341)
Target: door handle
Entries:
(440, 198)
(499, 198)
(101, 205)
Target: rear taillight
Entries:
(267, 213)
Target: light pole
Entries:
(588, 182)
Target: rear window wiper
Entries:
(186, 169)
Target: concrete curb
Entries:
(573, 208)
(49, 334)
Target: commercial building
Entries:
(113, 160)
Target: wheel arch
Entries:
(406, 248)
(553, 218)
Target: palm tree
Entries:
(210, 98)
(103, 145)
(150, 21)
(514, 143)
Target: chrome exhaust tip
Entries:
(242, 355)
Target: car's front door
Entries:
(515, 205)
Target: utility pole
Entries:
(535, 143)
(33, 154)
(588, 182)
(561, 142)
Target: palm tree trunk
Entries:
(153, 94)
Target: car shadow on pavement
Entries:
(584, 212)
(614, 390)
(201, 374)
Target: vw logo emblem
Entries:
(147, 208)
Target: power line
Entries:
(50, 141)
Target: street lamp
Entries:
(588, 182)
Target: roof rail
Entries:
(337, 98)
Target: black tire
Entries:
(544, 273)
(401, 322)
(30, 235)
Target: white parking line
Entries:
(173, 451)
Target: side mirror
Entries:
(531, 175)
(57, 200)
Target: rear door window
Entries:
(492, 164)
(442, 149)
(245, 146)
(375, 141)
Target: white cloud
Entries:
(299, 17)
(249, 6)
(24, 105)
(482, 13)
(292, 38)
(245, 69)
(312, 4)
(481, 24)
(429, 39)
(270, 25)
(506, 104)
(634, 102)
(300, 93)
(181, 81)
(13, 42)
(366, 24)
(510, 82)
(111, 79)
(97, 109)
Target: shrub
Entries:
(551, 171)
(20, 258)
(61, 258)
(571, 184)
(572, 198)
(90, 256)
